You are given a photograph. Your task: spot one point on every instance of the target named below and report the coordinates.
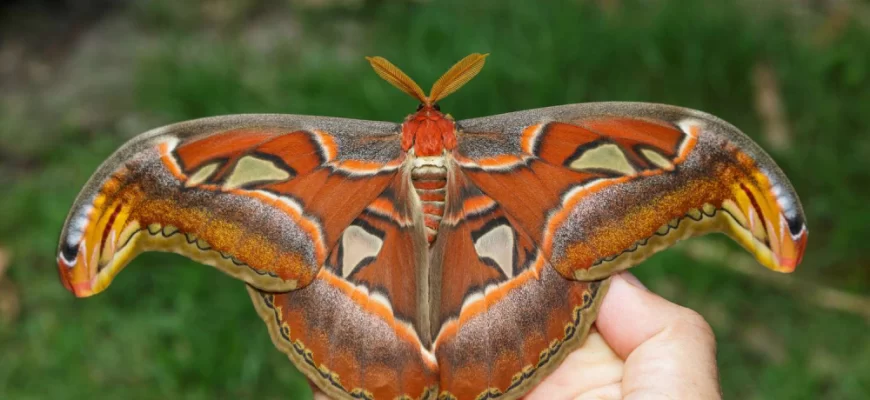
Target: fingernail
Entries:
(631, 279)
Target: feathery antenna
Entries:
(457, 76)
(397, 78)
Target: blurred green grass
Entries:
(169, 329)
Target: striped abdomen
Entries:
(429, 177)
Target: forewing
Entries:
(261, 197)
(601, 186)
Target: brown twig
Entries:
(10, 305)
(769, 106)
(816, 294)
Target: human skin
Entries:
(641, 347)
(644, 347)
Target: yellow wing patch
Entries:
(252, 169)
(202, 174)
(607, 156)
(657, 159)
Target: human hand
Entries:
(645, 347)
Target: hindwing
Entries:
(360, 328)
(502, 316)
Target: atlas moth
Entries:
(434, 258)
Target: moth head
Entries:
(456, 77)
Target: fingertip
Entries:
(631, 279)
(620, 301)
(630, 314)
(669, 350)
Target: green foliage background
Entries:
(169, 329)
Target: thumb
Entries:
(669, 350)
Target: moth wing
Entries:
(262, 197)
(601, 186)
(359, 329)
(502, 318)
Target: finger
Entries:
(669, 350)
(593, 371)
